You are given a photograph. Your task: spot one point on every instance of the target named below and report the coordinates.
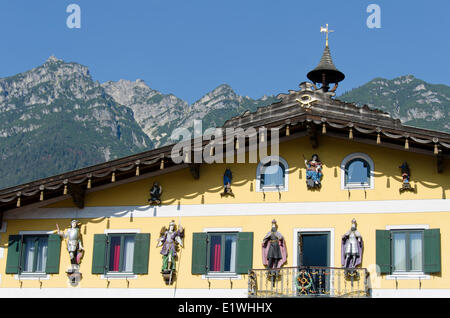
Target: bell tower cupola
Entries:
(326, 73)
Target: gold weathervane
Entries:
(325, 29)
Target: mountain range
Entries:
(56, 118)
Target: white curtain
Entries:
(128, 254)
(416, 250)
(42, 255)
(399, 251)
(232, 260)
(29, 254)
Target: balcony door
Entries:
(314, 249)
(313, 259)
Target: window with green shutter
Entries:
(53, 254)
(383, 251)
(222, 252)
(199, 253)
(141, 253)
(432, 251)
(14, 252)
(408, 251)
(99, 254)
(33, 254)
(121, 253)
(244, 259)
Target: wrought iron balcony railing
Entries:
(308, 281)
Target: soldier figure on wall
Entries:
(406, 173)
(155, 194)
(75, 249)
(313, 172)
(169, 239)
(227, 177)
(274, 251)
(351, 248)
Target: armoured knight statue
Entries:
(155, 194)
(313, 172)
(74, 245)
(169, 238)
(274, 248)
(351, 247)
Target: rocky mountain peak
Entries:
(412, 100)
(53, 59)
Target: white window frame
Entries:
(261, 164)
(219, 276)
(408, 275)
(125, 276)
(347, 159)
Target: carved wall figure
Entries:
(313, 172)
(169, 239)
(406, 174)
(155, 194)
(227, 177)
(351, 247)
(75, 250)
(274, 248)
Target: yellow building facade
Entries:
(392, 182)
(198, 207)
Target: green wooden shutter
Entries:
(99, 254)
(432, 251)
(244, 253)
(14, 247)
(383, 251)
(199, 252)
(53, 254)
(141, 253)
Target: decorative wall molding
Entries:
(300, 208)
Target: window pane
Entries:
(358, 171)
(416, 250)
(29, 253)
(114, 254)
(399, 242)
(128, 254)
(42, 254)
(215, 253)
(273, 175)
(230, 253)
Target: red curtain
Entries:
(116, 258)
(216, 265)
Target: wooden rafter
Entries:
(77, 192)
(194, 168)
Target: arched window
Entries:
(271, 174)
(357, 172)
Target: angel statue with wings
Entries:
(169, 239)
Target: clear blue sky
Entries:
(189, 47)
